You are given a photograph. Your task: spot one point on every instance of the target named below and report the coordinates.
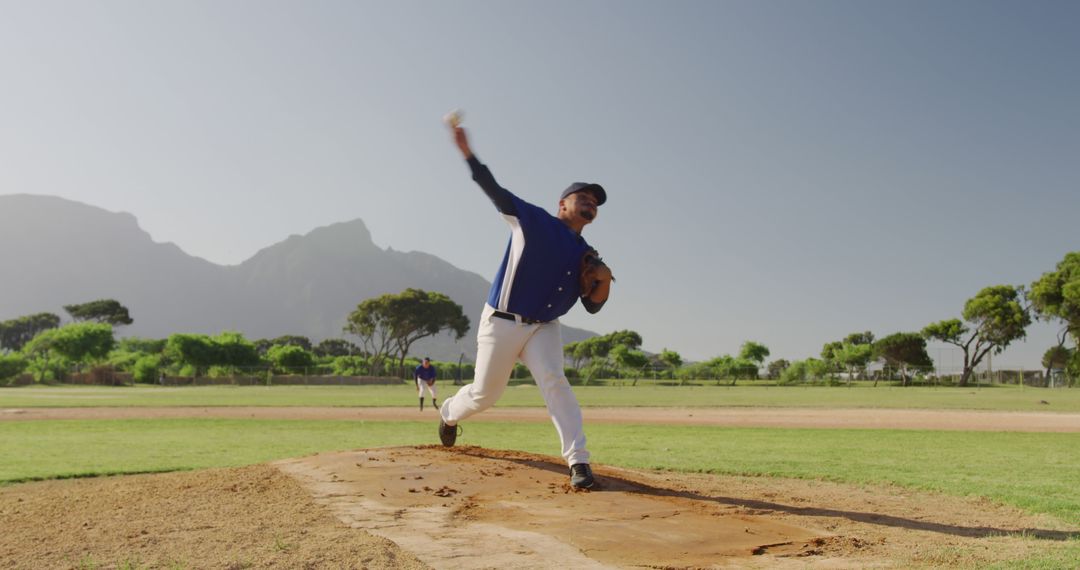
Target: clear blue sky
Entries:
(782, 171)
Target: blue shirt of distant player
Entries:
(425, 374)
(539, 275)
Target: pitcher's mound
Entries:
(476, 508)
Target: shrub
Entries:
(11, 365)
(147, 369)
(795, 373)
(350, 366)
(147, 345)
(290, 358)
(46, 369)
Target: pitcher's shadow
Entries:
(608, 484)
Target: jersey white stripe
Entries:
(517, 245)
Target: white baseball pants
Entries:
(421, 385)
(500, 343)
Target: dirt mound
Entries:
(478, 508)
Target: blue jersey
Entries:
(540, 271)
(422, 373)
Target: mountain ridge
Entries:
(56, 251)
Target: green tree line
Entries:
(385, 328)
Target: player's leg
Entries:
(544, 357)
(420, 392)
(498, 342)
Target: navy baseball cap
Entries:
(598, 190)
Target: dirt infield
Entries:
(735, 417)
(250, 517)
(469, 507)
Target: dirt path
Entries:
(736, 417)
(248, 517)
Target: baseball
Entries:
(453, 118)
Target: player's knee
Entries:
(553, 380)
(484, 400)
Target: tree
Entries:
(80, 343)
(866, 337)
(11, 365)
(232, 350)
(1056, 357)
(199, 351)
(195, 350)
(101, 311)
(776, 368)
(803, 370)
(997, 318)
(721, 366)
(793, 373)
(353, 365)
(147, 369)
(828, 352)
(629, 359)
(843, 354)
(817, 369)
(596, 351)
(392, 323)
(1056, 295)
(336, 347)
(292, 340)
(144, 345)
(853, 357)
(830, 355)
(744, 368)
(289, 358)
(15, 333)
(575, 352)
(754, 351)
(627, 338)
(77, 342)
(670, 358)
(901, 350)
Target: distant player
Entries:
(425, 379)
(539, 280)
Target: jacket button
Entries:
(568, 273)
(549, 305)
(560, 288)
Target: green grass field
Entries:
(1038, 472)
(1005, 398)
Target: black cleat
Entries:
(581, 476)
(448, 434)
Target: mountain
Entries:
(55, 252)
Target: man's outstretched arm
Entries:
(501, 197)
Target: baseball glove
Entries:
(590, 268)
